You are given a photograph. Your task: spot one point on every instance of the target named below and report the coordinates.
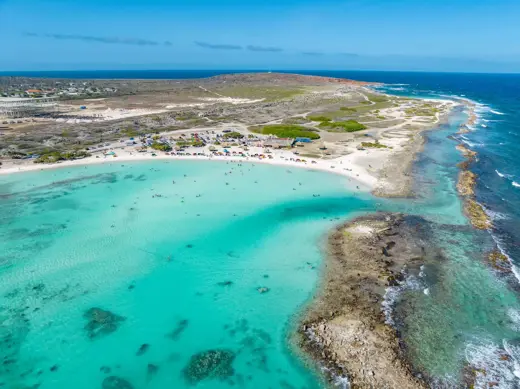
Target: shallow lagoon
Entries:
(181, 262)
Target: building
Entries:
(13, 107)
(279, 143)
(32, 92)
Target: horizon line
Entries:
(232, 70)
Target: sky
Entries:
(407, 35)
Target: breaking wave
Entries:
(503, 175)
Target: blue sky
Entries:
(435, 35)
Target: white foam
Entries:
(514, 315)
(515, 270)
(342, 382)
(503, 174)
(489, 366)
(515, 184)
(393, 293)
(496, 112)
(470, 144)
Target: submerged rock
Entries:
(144, 348)
(225, 283)
(114, 382)
(211, 364)
(181, 326)
(151, 371)
(101, 322)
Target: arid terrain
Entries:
(353, 127)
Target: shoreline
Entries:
(343, 329)
(385, 172)
(349, 337)
(365, 182)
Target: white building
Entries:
(14, 107)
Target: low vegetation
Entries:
(161, 146)
(130, 132)
(422, 110)
(269, 93)
(319, 118)
(346, 126)
(286, 131)
(373, 145)
(233, 135)
(55, 156)
(190, 143)
(377, 98)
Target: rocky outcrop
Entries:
(499, 261)
(101, 322)
(476, 214)
(211, 364)
(465, 186)
(344, 329)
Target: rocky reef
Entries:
(344, 329)
(466, 184)
(476, 214)
(210, 364)
(101, 322)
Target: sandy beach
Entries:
(377, 160)
(343, 166)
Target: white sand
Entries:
(344, 166)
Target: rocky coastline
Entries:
(467, 181)
(344, 329)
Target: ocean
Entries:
(141, 270)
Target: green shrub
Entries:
(233, 135)
(348, 109)
(55, 156)
(319, 118)
(190, 143)
(377, 98)
(161, 146)
(347, 126)
(375, 145)
(287, 131)
(130, 132)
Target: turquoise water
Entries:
(135, 269)
(181, 262)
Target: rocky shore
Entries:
(344, 328)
